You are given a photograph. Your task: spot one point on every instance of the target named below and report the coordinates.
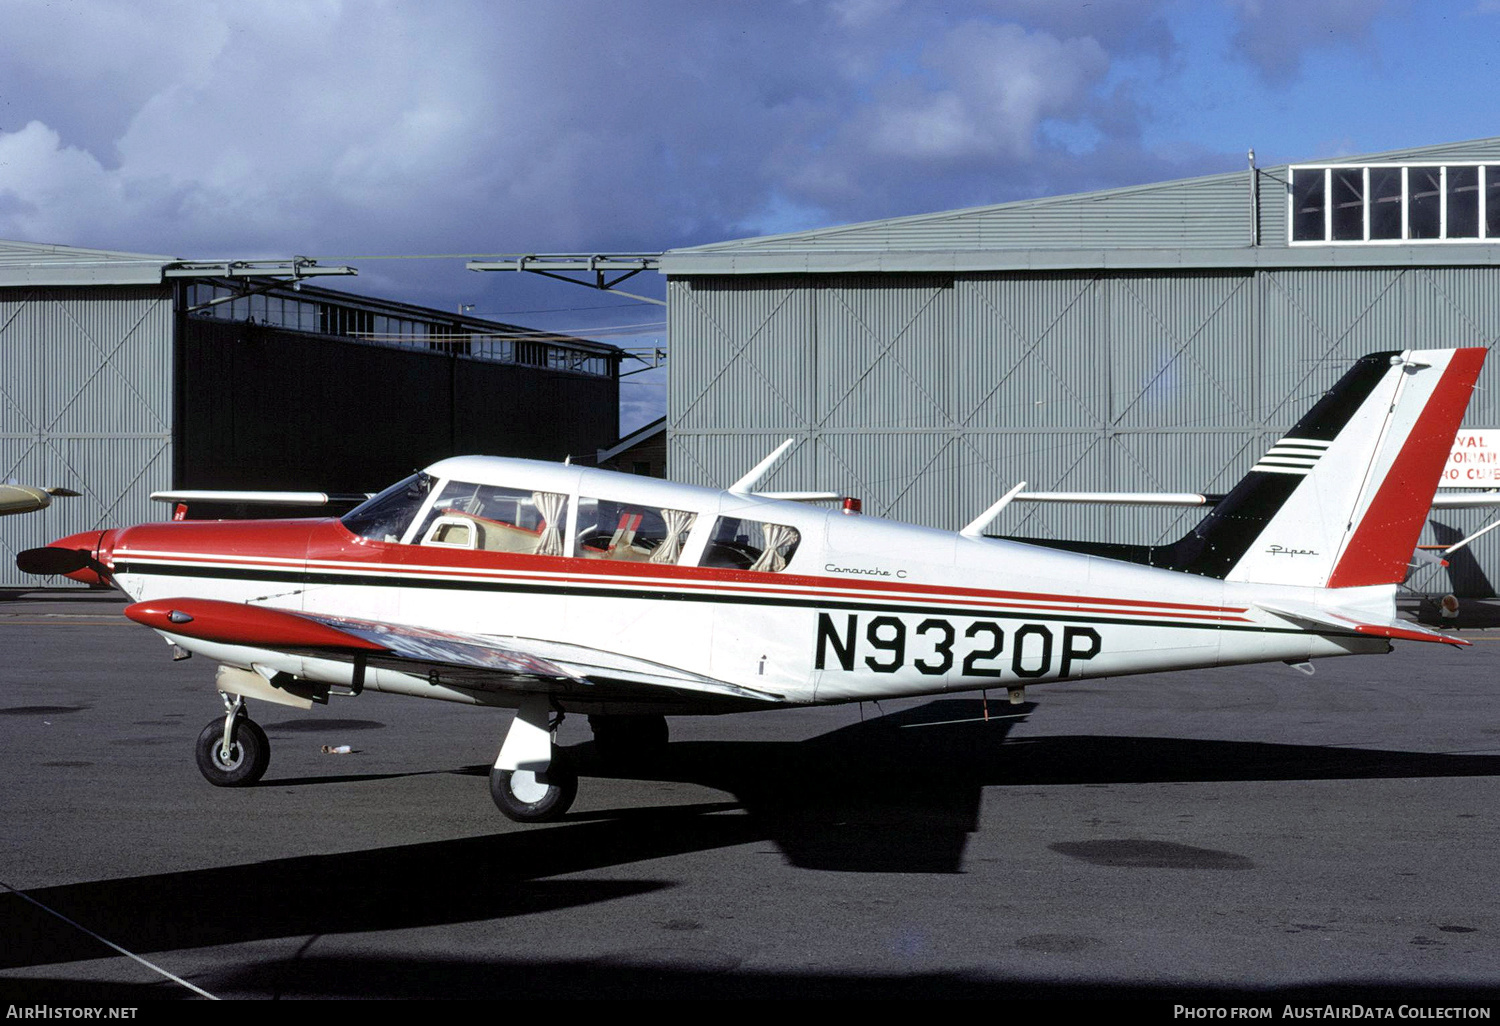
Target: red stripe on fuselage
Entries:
(313, 545)
(1116, 607)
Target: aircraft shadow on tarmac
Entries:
(897, 794)
(900, 793)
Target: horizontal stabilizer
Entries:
(1315, 617)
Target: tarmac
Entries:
(1238, 836)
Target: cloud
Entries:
(968, 119)
(53, 192)
(85, 69)
(1001, 82)
(1276, 35)
(214, 127)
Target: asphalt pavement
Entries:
(1243, 835)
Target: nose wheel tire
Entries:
(249, 753)
(529, 797)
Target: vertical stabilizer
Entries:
(1340, 500)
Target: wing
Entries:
(1123, 498)
(478, 661)
(264, 498)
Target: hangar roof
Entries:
(1206, 222)
(31, 263)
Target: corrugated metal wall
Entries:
(85, 402)
(930, 396)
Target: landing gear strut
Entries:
(531, 782)
(232, 750)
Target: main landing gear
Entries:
(232, 750)
(531, 782)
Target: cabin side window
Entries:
(631, 533)
(751, 545)
(492, 519)
(386, 517)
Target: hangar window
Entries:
(221, 301)
(1386, 219)
(1347, 204)
(1462, 192)
(1393, 203)
(1424, 202)
(631, 533)
(495, 347)
(475, 516)
(1308, 219)
(1489, 203)
(751, 545)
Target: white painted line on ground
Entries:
(155, 968)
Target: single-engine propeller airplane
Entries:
(559, 589)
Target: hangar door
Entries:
(929, 396)
(85, 403)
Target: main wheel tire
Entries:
(249, 753)
(620, 740)
(525, 798)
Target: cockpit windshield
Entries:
(387, 516)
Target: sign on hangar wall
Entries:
(1474, 461)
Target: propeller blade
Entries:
(49, 560)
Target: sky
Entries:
(363, 131)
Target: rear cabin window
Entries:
(631, 533)
(494, 519)
(750, 545)
(386, 517)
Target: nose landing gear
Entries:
(233, 751)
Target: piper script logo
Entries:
(1281, 550)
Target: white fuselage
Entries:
(863, 609)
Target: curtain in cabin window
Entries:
(552, 507)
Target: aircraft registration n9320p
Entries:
(551, 589)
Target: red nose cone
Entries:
(94, 548)
(85, 540)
